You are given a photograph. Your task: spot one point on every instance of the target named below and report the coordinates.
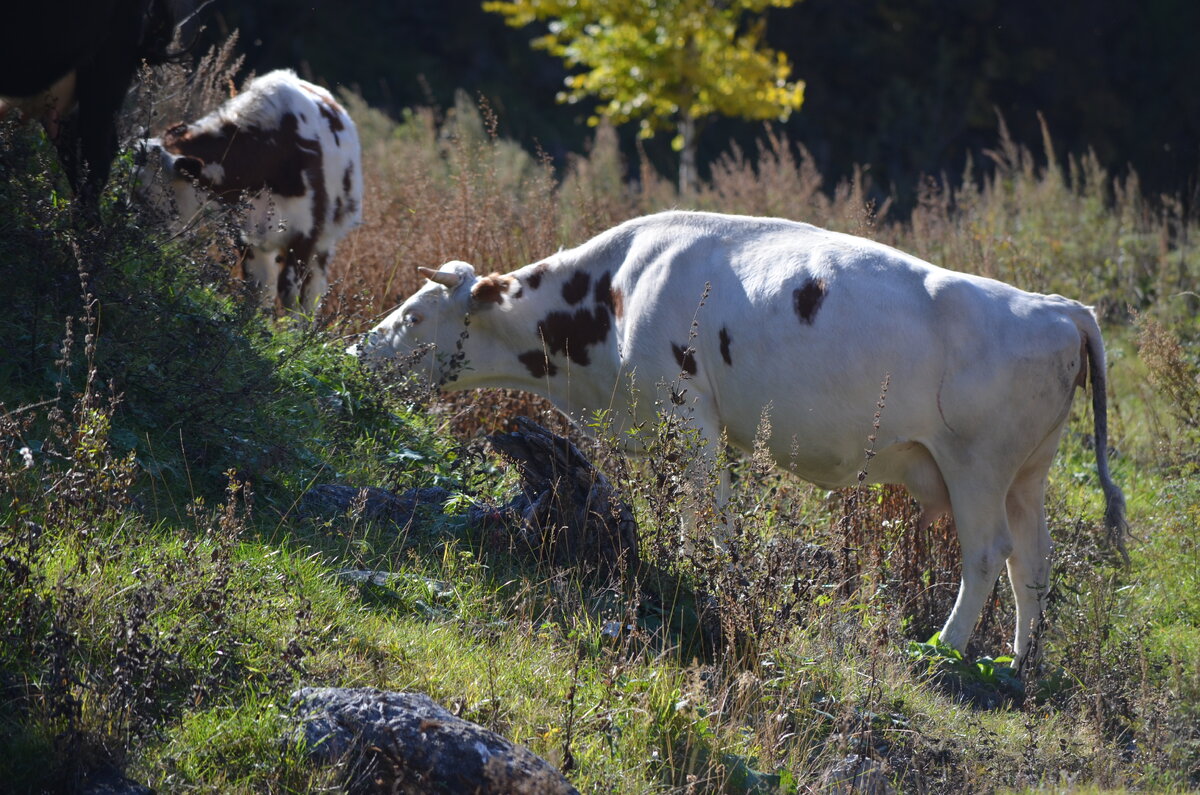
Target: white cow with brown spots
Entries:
(805, 324)
(291, 149)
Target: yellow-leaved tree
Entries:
(666, 63)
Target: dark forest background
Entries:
(904, 88)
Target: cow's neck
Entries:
(557, 338)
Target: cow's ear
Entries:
(186, 166)
(493, 290)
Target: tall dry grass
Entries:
(448, 185)
(441, 186)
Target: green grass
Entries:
(161, 594)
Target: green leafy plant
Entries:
(995, 672)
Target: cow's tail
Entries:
(1114, 499)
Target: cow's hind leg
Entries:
(1029, 563)
(983, 534)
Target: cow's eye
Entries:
(412, 319)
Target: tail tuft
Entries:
(1114, 520)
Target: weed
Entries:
(159, 596)
(1176, 375)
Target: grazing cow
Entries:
(292, 149)
(804, 324)
(82, 55)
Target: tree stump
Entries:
(566, 511)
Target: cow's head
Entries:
(168, 179)
(436, 315)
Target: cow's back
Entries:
(313, 144)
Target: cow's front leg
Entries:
(261, 268)
(316, 282)
(293, 277)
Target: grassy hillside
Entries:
(161, 593)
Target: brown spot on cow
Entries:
(572, 333)
(336, 125)
(538, 364)
(349, 206)
(575, 289)
(534, 279)
(490, 289)
(330, 111)
(807, 300)
(686, 356)
(603, 291)
(618, 303)
(252, 159)
(725, 340)
(312, 164)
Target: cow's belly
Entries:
(822, 428)
(833, 463)
(274, 221)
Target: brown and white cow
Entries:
(804, 324)
(289, 148)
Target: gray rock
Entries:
(406, 743)
(108, 781)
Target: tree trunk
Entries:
(687, 157)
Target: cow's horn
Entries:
(444, 278)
